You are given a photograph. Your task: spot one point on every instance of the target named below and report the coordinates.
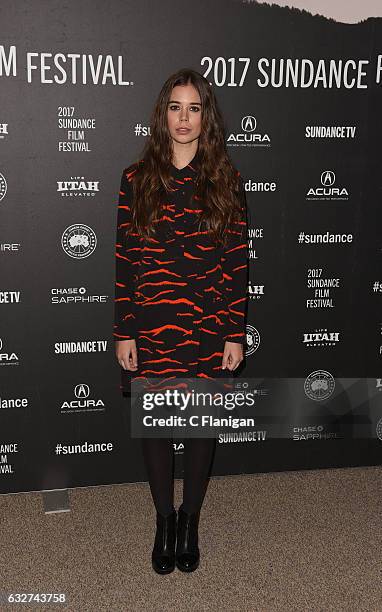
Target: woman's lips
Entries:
(183, 130)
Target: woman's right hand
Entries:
(126, 352)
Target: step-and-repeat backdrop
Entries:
(301, 97)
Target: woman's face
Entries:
(184, 113)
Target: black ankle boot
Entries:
(187, 550)
(163, 554)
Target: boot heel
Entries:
(187, 549)
(163, 554)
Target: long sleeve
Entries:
(234, 262)
(127, 261)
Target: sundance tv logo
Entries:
(249, 136)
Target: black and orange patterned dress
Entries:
(179, 295)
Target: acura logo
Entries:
(81, 391)
(328, 178)
(248, 123)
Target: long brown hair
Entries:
(217, 184)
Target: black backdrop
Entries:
(314, 353)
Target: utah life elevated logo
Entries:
(77, 186)
(3, 130)
(255, 292)
(249, 136)
(328, 189)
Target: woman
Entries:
(181, 285)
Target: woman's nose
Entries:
(184, 114)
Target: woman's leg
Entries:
(198, 457)
(158, 455)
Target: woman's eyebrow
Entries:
(177, 102)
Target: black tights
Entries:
(159, 459)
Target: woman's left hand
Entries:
(232, 356)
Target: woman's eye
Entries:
(174, 107)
